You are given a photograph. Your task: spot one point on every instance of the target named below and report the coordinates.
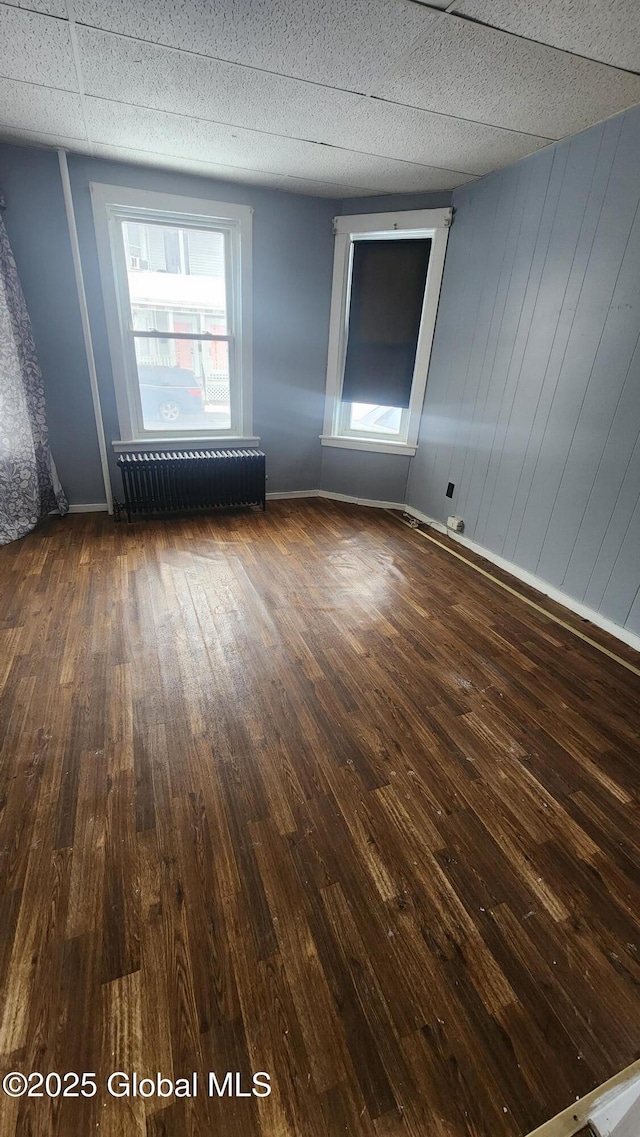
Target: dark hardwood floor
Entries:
(300, 793)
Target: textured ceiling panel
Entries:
(145, 75)
(337, 42)
(42, 140)
(608, 30)
(36, 49)
(253, 89)
(465, 69)
(40, 109)
(146, 157)
(229, 173)
(320, 189)
(435, 139)
(119, 125)
(47, 7)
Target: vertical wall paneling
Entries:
(578, 214)
(533, 399)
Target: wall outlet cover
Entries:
(456, 524)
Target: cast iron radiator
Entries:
(184, 480)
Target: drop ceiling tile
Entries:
(465, 69)
(116, 124)
(227, 173)
(46, 7)
(36, 49)
(313, 188)
(24, 106)
(141, 157)
(149, 76)
(434, 139)
(338, 42)
(42, 140)
(187, 139)
(380, 174)
(177, 136)
(607, 31)
(348, 191)
(143, 74)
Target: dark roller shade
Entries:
(387, 291)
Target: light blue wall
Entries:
(37, 227)
(362, 473)
(533, 397)
(293, 256)
(385, 203)
(292, 265)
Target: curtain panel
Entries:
(29, 484)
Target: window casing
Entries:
(176, 276)
(385, 429)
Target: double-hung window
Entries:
(386, 284)
(176, 277)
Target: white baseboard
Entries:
(93, 507)
(576, 1115)
(533, 581)
(360, 500)
(292, 493)
(613, 1109)
(336, 497)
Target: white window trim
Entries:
(432, 223)
(182, 442)
(109, 204)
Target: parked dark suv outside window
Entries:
(169, 393)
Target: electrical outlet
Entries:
(456, 524)
(450, 489)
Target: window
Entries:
(386, 283)
(176, 281)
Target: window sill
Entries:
(376, 446)
(182, 443)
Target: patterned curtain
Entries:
(29, 485)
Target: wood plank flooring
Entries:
(300, 793)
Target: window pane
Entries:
(179, 271)
(176, 278)
(216, 385)
(371, 419)
(184, 384)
